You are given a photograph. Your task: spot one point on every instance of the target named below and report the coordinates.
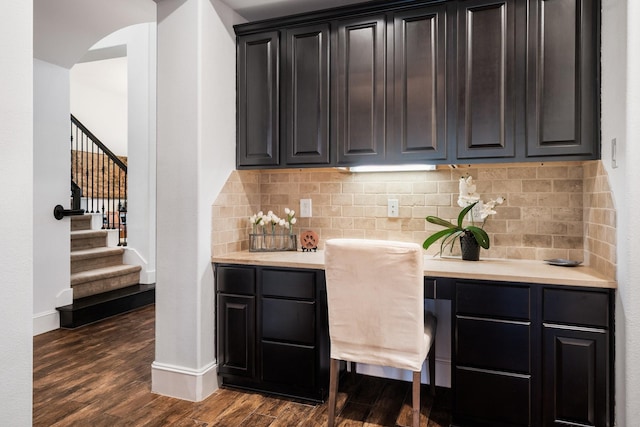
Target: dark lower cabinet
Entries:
(532, 355)
(577, 357)
(236, 334)
(575, 377)
(276, 339)
(493, 377)
(492, 398)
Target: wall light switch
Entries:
(305, 208)
(614, 153)
(392, 208)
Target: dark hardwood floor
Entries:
(100, 375)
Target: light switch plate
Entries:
(305, 208)
(614, 153)
(392, 208)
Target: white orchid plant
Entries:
(270, 219)
(468, 200)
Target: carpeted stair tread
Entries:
(87, 234)
(103, 273)
(90, 253)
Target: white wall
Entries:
(195, 154)
(620, 112)
(121, 112)
(51, 280)
(99, 100)
(141, 229)
(16, 215)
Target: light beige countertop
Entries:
(506, 270)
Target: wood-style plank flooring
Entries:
(100, 375)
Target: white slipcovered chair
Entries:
(375, 297)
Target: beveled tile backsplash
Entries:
(553, 210)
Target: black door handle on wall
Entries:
(59, 212)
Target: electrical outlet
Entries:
(305, 208)
(392, 208)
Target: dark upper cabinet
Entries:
(418, 109)
(486, 78)
(306, 109)
(425, 81)
(562, 82)
(258, 99)
(360, 79)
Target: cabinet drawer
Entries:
(236, 280)
(492, 398)
(576, 307)
(288, 283)
(506, 302)
(288, 364)
(287, 320)
(493, 345)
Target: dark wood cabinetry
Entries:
(493, 354)
(258, 99)
(418, 107)
(305, 110)
(531, 355)
(487, 71)
(562, 90)
(236, 321)
(576, 357)
(463, 81)
(360, 113)
(272, 330)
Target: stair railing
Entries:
(100, 177)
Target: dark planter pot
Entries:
(470, 247)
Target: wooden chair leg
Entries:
(334, 370)
(416, 399)
(432, 368)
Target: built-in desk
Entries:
(532, 344)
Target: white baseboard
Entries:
(133, 257)
(45, 322)
(184, 383)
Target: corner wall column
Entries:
(195, 155)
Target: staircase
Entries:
(103, 285)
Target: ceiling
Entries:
(254, 10)
(64, 30)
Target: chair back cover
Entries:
(375, 296)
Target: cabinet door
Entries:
(419, 108)
(306, 112)
(236, 335)
(361, 85)
(487, 69)
(575, 379)
(486, 398)
(562, 86)
(258, 100)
